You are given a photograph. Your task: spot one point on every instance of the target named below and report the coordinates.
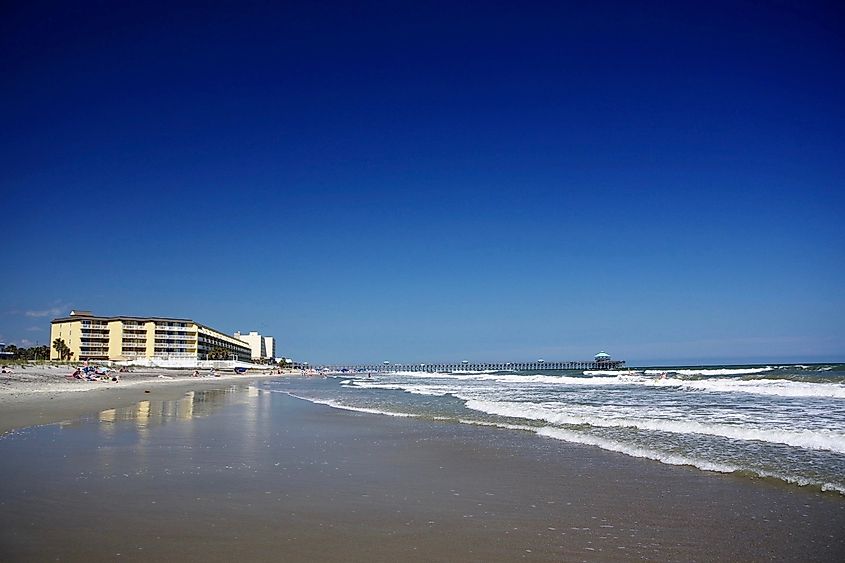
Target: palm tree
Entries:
(58, 346)
(218, 353)
(62, 349)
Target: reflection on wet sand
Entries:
(194, 404)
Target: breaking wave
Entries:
(676, 459)
(807, 439)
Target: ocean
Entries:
(784, 422)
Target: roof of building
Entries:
(79, 316)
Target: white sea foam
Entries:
(710, 372)
(807, 439)
(433, 390)
(503, 378)
(674, 459)
(437, 375)
(336, 405)
(450, 383)
(498, 425)
(634, 451)
(772, 387)
(551, 380)
(600, 372)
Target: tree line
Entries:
(12, 352)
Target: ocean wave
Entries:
(771, 387)
(505, 378)
(709, 372)
(675, 459)
(432, 390)
(610, 372)
(813, 367)
(552, 379)
(631, 450)
(767, 385)
(498, 425)
(436, 374)
(806, 439)
(336, 405)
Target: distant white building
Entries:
(262, 347)
(270, 347)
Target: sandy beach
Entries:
(215, 469)
(35, 395)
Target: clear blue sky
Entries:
(433, 181)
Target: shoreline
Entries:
(264, 475)
(35, 396)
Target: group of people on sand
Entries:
(88, 373)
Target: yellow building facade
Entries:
(129, 338)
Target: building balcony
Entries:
(159, 354)
(170, 333)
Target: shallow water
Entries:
(784, 422)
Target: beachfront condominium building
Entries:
(88, 336)
(262, 347)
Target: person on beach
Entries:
(196, 373)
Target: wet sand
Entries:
(242, 473)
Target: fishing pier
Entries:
(466, 366)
